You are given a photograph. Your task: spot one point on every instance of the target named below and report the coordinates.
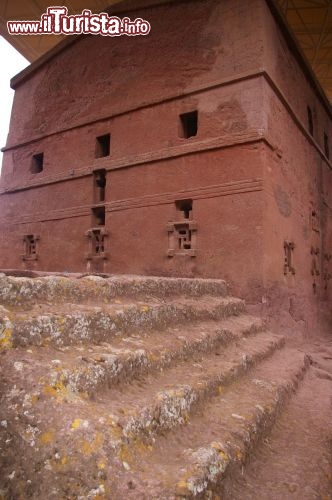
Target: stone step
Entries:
(177, 432)
(192, 461)
(295, 461)
(159, 403)
(70, 441)
(19, 291)
(69, 325)
(90, 369)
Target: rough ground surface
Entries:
(156, 388)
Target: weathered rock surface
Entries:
(155, 388)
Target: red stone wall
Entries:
(297, 182)
(252, 171)
(191, 45)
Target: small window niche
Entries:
(314, 219)
(188, 124)
(326, 146)
(185, 208)
(289, 268)
(96, 242)
(98, 216)
(327, 276)
(37, 163)
(182, 238)
(310, 121)
(99, 186)
(30, 247)
(315, 263)
(103, 146)
(182, 232)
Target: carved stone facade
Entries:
(200, 150)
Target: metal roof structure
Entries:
(310, 22)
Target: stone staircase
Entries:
(136, 387)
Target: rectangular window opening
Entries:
(103, 146)
(326, 146)
(310, 121)
(37, 163)
(188, 124)
(98, 244)
(30, 243)
(98, 216)
(184, 237)
(186, 207)
(99, 177)
(289, 258)
(315, 224)
(30, 247)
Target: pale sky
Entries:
(11, 63)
